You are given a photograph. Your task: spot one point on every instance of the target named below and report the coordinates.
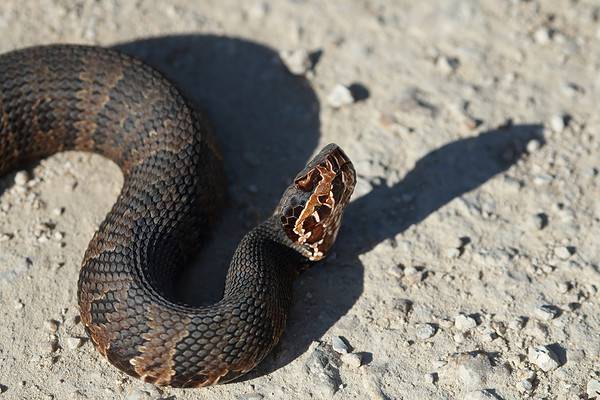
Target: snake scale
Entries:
(70, 97)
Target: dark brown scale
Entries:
(63, 97)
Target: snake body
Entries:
(68, 97)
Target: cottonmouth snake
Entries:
(67, 97)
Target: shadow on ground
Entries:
(267, 123)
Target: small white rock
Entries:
(542, 35)
(593, 388)
(533, 145)
(74, 342)
(563, 252)
(464, 322)
(297, 61)
(339, 345)
(21, 178)
(447, 65)
(452, 252)
(425, 331)
(52, 325)
(543, 357)
(557, 123)
(340, 96)
(546, 312)
(430, 378)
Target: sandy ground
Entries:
(467, 266)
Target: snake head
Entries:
(311, 208)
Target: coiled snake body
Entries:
(66, 97)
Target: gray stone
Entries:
(323, 371)
(339, 345)
(425, 331)
(464, 322)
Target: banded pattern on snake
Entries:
(68, 97)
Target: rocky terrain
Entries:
(468, 262)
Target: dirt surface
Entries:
(467, 266)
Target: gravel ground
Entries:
(466, 267)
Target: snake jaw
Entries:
(313, 206)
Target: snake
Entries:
(62, 97)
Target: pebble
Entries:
(425, 331)
(447, 65)
(563, 252)
(340, 96)
(525, 385)
(593, 388)
(58, 211)
(546, 312)
(74, 342)
(542, 35)
(339, 345)
(52, 325)
(464, 322)
(138, 394)
(480, 395)
(539, 220)
(18, 304)
(21, 178)
(563, 287)
(413, 275)
(430, 378)
(543, 357)
(353, 360)
(324, 374)
(452, 252)
(557, 123)
(517, 323)
(533, 145)
(297, 61)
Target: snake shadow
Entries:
(267, 123)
